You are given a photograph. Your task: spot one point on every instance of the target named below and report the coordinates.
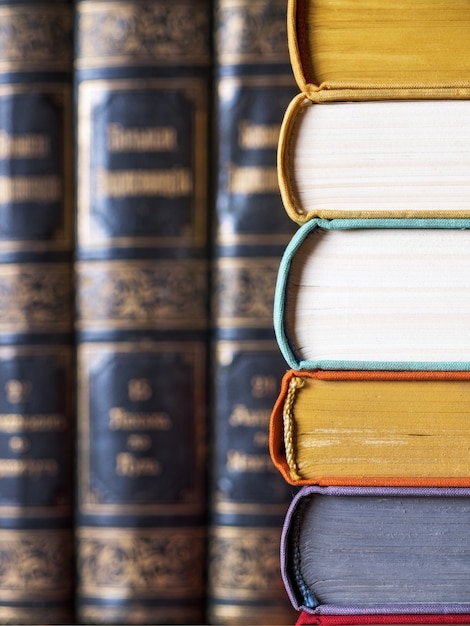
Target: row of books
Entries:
(138, 185)
(371, 313)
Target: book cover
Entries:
(375, 294)
(377, 551)
(248, 499)
(345, 50)
(143, 84)
(36, 313)
(372, 428)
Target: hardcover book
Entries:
(372, 428)
(248, 497)
(142, 84)
(36, 313)
(375, 294)
(349, 50)
(378, 551)
(375, 159)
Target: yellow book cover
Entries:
(373, 428)
(365, 49)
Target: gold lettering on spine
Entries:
(16, 422)
(261, 439)
(264, 386)
(23, 146)
(120, 419)
(133, 467)
(30, 189)
(243, 416)
(252, 463)
(28, 467)
(147, 139)
(258, 136)
(139, 442)
(17, 390)
(252, 180)
(19, 444)
(139, 389)
(172, 183)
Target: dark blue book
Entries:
(36, 312)
(142, 89)
(248, 500)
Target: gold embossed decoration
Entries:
(143, 32)
(35, 297)
(153, 562)
(151, 293)
(244, 291)
(35, 37)
(245, 564)
(33, 563)
(246, 31)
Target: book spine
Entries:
(248, 499)
(36, 313)
(142, 82)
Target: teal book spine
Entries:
(142, 88)
(36, 313)
(248, 499)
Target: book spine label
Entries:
(141, 419)
(142, 185)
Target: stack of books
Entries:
(372, 312)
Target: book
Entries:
(372, 428)
(344, 50)
(375, 159)
(36, 313)
(374, 294)
(377, 551)
(143, 85)
(248, 499)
